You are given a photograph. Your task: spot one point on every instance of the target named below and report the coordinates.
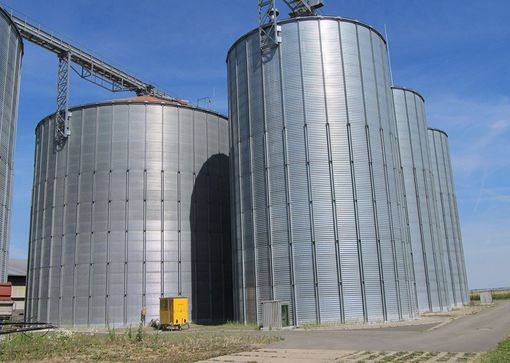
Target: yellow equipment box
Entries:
(173, 312)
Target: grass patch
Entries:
(129, 347)
(230, 325)
(500, 354)
(447, 357)
(496, 295)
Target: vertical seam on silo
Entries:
(3, 242)
(309, 182)
(353, 184)
(459, 232)
(232, 214)
(76, 235)
(332, 186)
(460, 249)
(418, 207)
(461, 244)
(389, 205)
(144, 294)
(194, 265)
(239, 208)
(208, 178)
(441, 180)
(34, 221)
(4, 238)
(233, 218)
(179, 236)
(404, 214)
(452, 280)
(210, 237)
(221, 212)
(127, 183)
(193, 217)
(127, 180)
(64, 214)
(41, 237)
(441, 223)
(435, 225)
(92, 217)
(455, 270)
(12, 147)
(40, 227)
(427, 196)
(250, 143)
(466, 286)
(437, 222)
(43, 228)
(445, 153)
(49, 238)
(267, 183)
(30, 264)
(392, 231)
(44, 242)
(35, 271)
(162, 204)
(360, 247)
(109, 225)
(4, 245)
(29, 303)
(372, 181)
(37, 250)
(455, 225)
(287, 193)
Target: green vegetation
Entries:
(230, 325)
(496, 295)
(139, 346)
(447, 357)
(500, 354)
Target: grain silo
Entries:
(11, 52)
(449, 224)
(133, 208)
(426, 242)
(315, 175)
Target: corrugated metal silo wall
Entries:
(431, 283)
(315, 175)
(135, 207)
(11, 52)
(448, 215)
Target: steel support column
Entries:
(62, 130)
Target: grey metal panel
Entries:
(449, 224)
(11, 52)
(316, 209)
(114, 215)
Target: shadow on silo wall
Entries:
(211, 252)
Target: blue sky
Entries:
(455, 52)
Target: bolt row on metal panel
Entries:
(135, 207)
(317, 199)
(11, 53)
